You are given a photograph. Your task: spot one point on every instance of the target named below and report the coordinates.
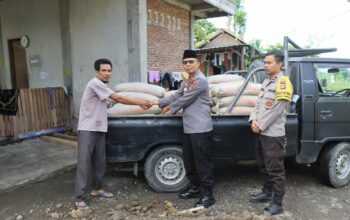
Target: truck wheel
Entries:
(165, 171)
(335, 165)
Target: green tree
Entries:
(256, 43)
(202, 29)
(238, 20)
(277, 46)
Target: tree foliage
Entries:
(257, 44)
(238, 20)
(277, 46)
(202, 29)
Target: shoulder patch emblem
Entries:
(283, 85)
(284, 89)
(268, 104)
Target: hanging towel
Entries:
(168, 81)
(221, 58)
(153, 77)
(177, 78)
(8, 101)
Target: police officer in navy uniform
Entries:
(268, 123)
(193, 98)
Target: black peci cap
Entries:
(189, 54)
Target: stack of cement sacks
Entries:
(223, 89)
(136, 90)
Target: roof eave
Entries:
(223, 5)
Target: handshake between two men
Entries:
(143, 103)
(148, 104)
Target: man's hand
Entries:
(146, 104)
(255, 127)
(165, 109)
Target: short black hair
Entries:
(98, 63)
(279, 56)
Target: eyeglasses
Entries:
(188, 62)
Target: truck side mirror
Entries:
(333, 70)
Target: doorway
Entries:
(18, 65)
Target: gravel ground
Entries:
(306, 198)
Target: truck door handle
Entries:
(326, 114)
(308, 97)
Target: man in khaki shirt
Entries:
(92, 127)
(268, 123)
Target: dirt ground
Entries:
(307, 198)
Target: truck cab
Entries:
(323, 85)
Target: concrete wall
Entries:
(41, 22)
(168, 35)
(68, 36)
(2, 61)
(137, 40)
(66, 46)
(100, 29)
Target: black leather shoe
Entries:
(206, 200)
(274, 208)
(192, 192)
(261, 197)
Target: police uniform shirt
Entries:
(271, 108)
(193, 98)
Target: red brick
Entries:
(166, 45)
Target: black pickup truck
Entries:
(318, 130)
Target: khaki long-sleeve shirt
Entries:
(193, 98)
(270, 110)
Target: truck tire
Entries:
(335, 165)
(165, 171)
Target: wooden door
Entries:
(18, 65)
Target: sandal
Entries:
(81, 205)
(102, 193)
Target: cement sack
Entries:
(169, 93)
(237, 110)
(212, 101)
(232, 88)
(222, 78)
(214, 109)
(110, 103)
(122, 109)
(244, 100)
(211, 92)
(138, 95)
(141, 87)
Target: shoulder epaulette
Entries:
(284, 89)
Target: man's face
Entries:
(104, 73)
(271, 66)
(190, 65)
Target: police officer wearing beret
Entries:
(268, 123)
(193, 98)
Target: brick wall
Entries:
(167, 35)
